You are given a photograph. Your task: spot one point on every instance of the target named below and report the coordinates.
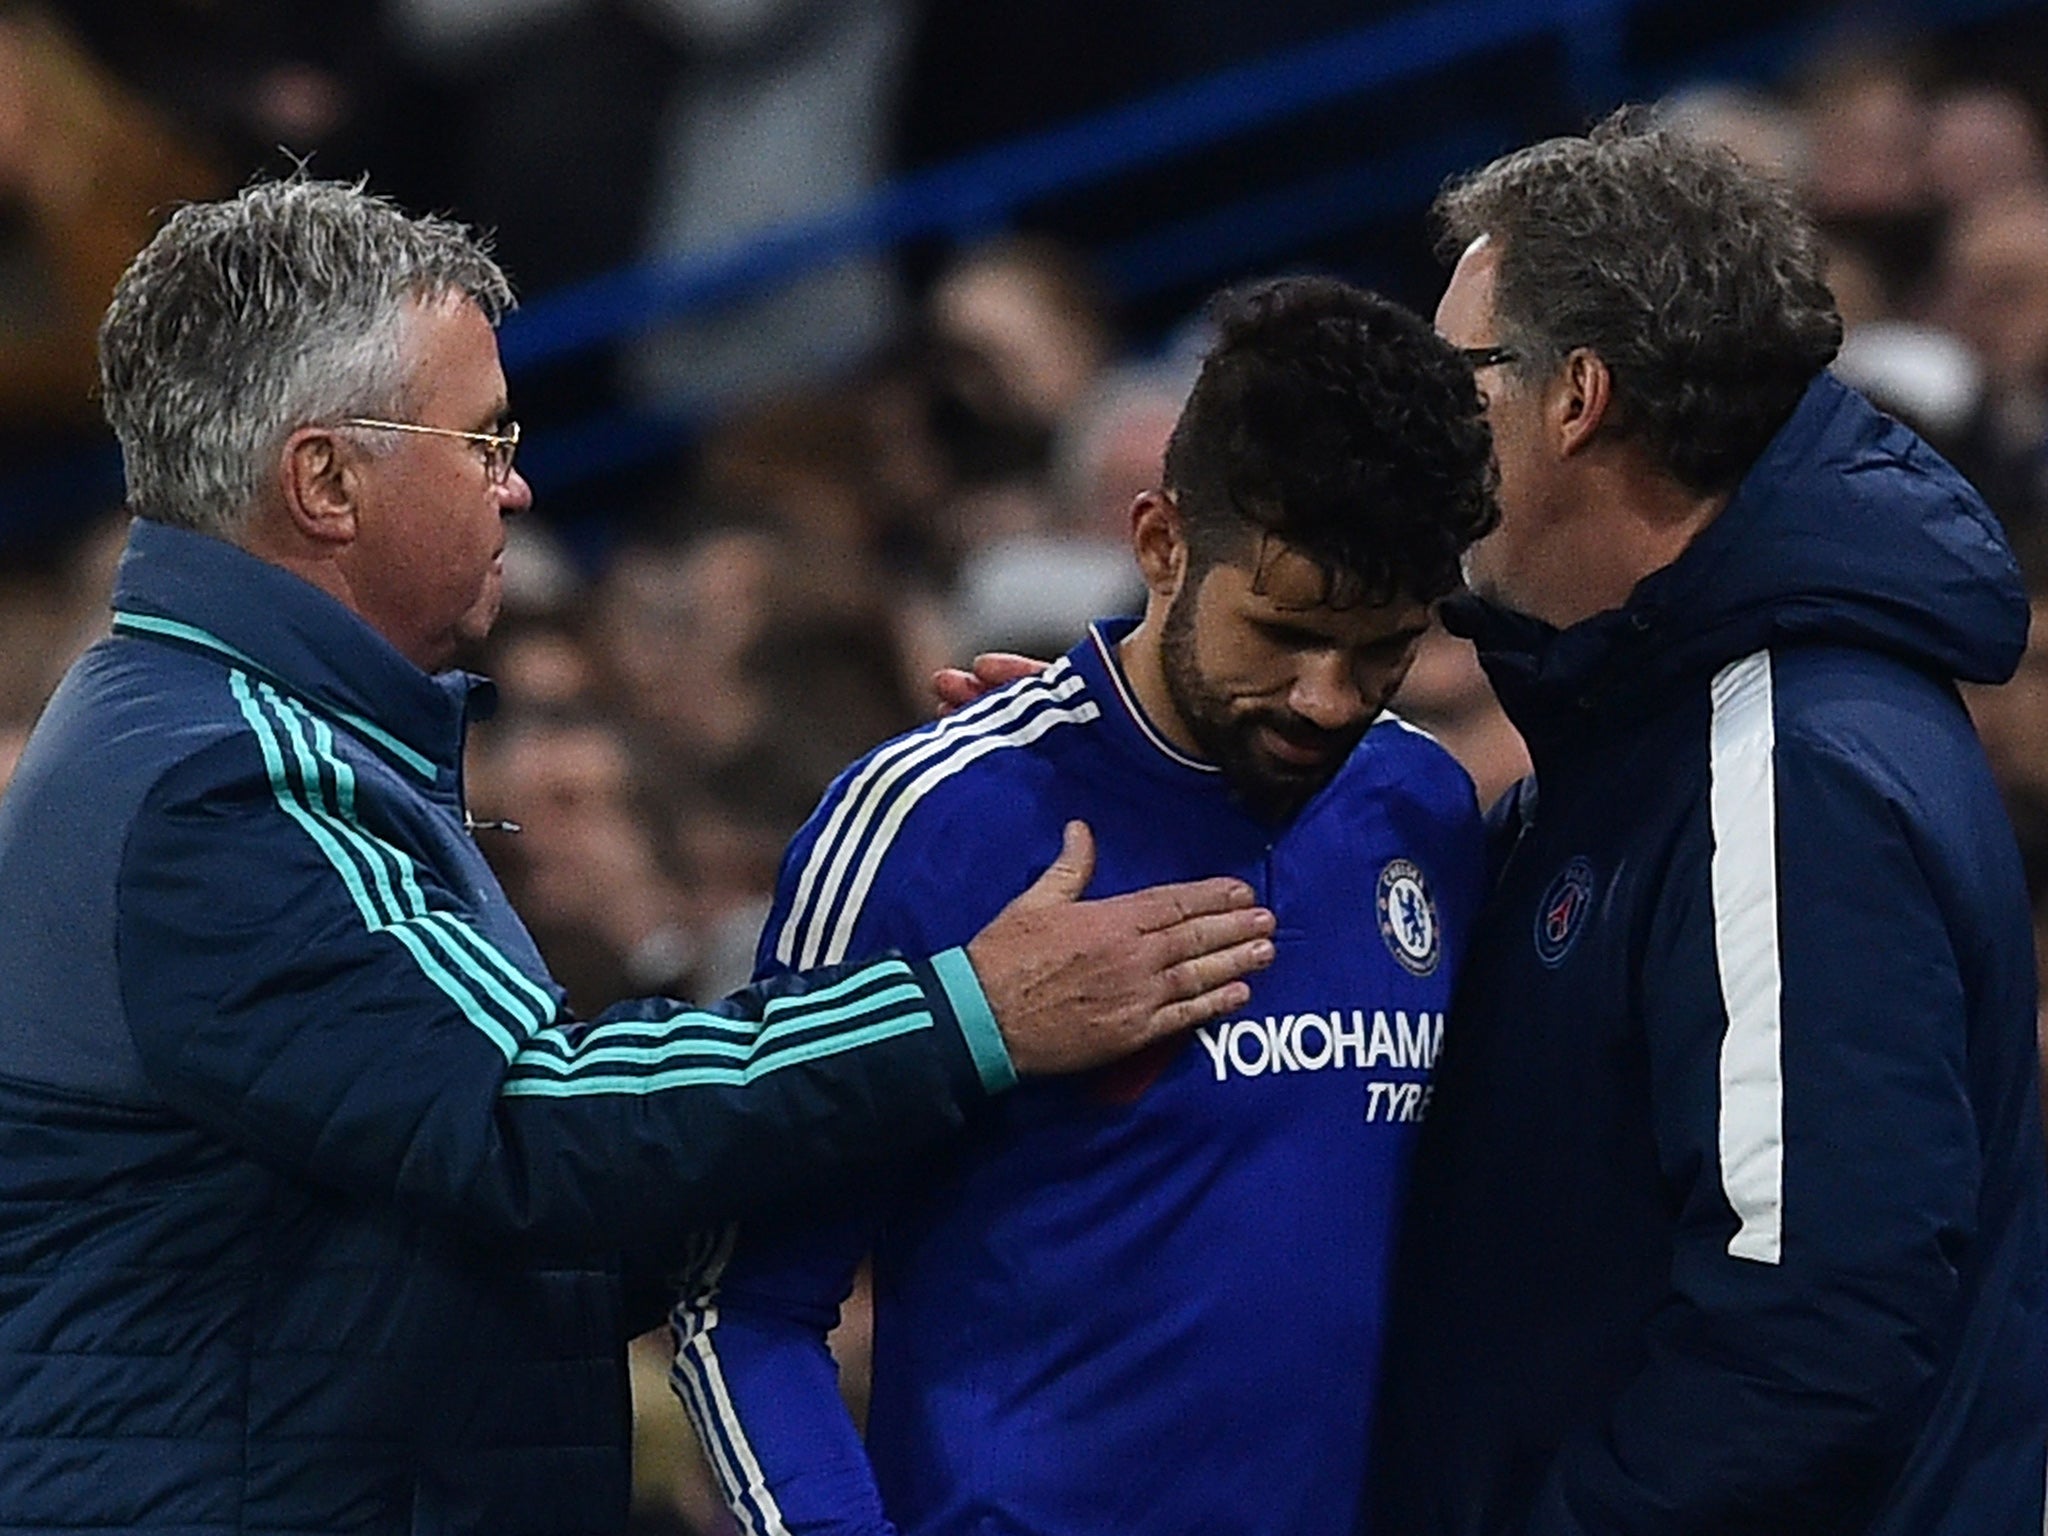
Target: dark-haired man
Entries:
(1729, 1214)
(1149, 1301)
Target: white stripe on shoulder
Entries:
(1744, 875)
(892, 821)
(1388, 717)
(1058, 693)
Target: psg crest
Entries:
(1561, 915)
(1408, 918)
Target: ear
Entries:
(321, 487)
(1581, 398)
(1159, 542)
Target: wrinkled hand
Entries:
(956, 687)
(1076, 984)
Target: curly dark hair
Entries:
(1339, 423)
(1695, 278)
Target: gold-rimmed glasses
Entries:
(498, 447)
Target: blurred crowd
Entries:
(886, 483)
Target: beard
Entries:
(1274, 788)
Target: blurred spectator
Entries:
(1995, 274)
(84, 169)
(583, 869)
(1867, 174)
(254, 81)
(807, 462)
(1037, 588)
(672, 629)
(1019, 338)
(706, 645)
(783, 111)
(544, 120)
(1983, 140)
(1766, 134)
(865, 526)
(725, 850)
(1922, 374)
(542, 667)
(1021, 331)
(2012, 719)
(1110, 447)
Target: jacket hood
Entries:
(1848, 530)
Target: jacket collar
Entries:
(1847, 530)
(189, 589)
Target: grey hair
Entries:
(1696, 279)
(247, 318)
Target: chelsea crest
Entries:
(1408, 918)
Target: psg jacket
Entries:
(317, 1212)
(1146, 1302)
(1728, 1217)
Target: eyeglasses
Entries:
(498, 447)
(1489, 357)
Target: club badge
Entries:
(1561, 914)
(1408, 918)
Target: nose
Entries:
(515, 495)
(1326, 694)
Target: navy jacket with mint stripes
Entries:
(317, 1212)
(1729, 1214)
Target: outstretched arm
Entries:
(379, 1040)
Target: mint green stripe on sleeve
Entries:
(822, 998)
(519, 1086)
(781, 1024)
(288, 801)
(977, 1022)
(312, 799)
(601, 1050)
(693, 1031)
(717, 1035)
(483, 962)
(650, 1032)
(408, 916)
(377, 919)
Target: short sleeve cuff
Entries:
(977, 1022)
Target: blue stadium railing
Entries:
(983, 192)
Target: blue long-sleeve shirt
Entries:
(1148, 1302)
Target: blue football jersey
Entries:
(1145, 1300)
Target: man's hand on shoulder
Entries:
(1074, 984)
(957, 687)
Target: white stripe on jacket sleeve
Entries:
(1743, 801)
